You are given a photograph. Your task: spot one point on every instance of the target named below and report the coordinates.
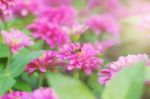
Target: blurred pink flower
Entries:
(41, 93)
(46, 61)
(5, 7)
(78, 56)
(113, 68)
(63, 15)
(14, 95)
(16, 40)
(77, 29)
(25, 7)
(104, 23)
(51, 33)
(59, 3)
(105, 45)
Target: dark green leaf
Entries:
(23, 86)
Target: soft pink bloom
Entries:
(46, 61)
(76, 29)
(41, 93)
(78, 56)
(63, 15)
(105, 45)
(5, 7)
(15, 95)
(113, 68)
(26, 7)
(104, 23)
(51, 33)
(16, 40)
(58, 2)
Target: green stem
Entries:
(41, 79)
(5, 23)
(9, 60)
(76, 74)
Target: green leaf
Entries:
(68, 88)
(147, 73)
(23, 86)
(6, 83)
(127, 84)
(4, 50)
(21, 60)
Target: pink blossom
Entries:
(46, 61)
(41, 93)
(63, 15)
(105, 45)
(5, 7)
(25, 7)
(78, 56)
(16, 40)
(58, 2)
(113, 68)
(104, 23)
(76, 29)
(14, 95)
(51, 33)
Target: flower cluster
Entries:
(78, 56)
(63, 15)
(16, 40)
(113, 68)
(49, 32)
(41, 93)
(5, 7)
(104, 23)
(46, 61)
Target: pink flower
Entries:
(16, 40)
(14, 95)
(77, 29)
(104, 23)
(46, 61)
(25, 7)
(105, 45)
(51, 33)
(59, 3)
(78, 56)
(113, 68)
(63, 15)
(41, 93)
(5, 7)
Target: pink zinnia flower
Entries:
(63, 15)
(16, 40)
(26, 7)
(77, 29)
(113, 68)
(14, 95)
(5, 7)
(46, 61)
(41, 93)
(105, 45)
(104, 23)
(51, 33)
(78, 56)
